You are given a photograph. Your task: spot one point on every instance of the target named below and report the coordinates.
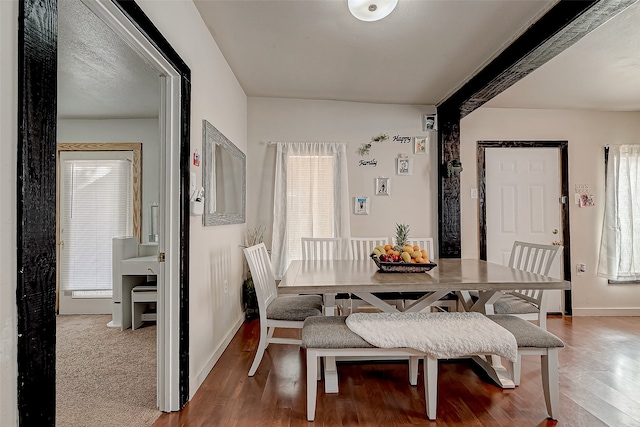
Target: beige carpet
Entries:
(104, 377)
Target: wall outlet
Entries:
(581, 269)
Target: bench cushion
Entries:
(330, 332)
(295, 307)
(527, 334)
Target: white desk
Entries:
(129, 270)
(362, 278)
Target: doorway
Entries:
(36, 201)
(504, 154)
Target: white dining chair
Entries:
(425, 243)
(326, 248)
(276, 311)
(450, 301)
(528, 304)
(321, 248)
(361, 248)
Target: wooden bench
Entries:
(325, 336)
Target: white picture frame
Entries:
(382, 187)
(361, 205)
(429, 122)
(404, 166)
(421, 143)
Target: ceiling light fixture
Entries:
(371, 10)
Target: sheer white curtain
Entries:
(620, 244)
(311, 197)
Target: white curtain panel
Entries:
(620, 244)
(311, 197)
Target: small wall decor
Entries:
(361, 206)
(429, 122)
(382, 187)
(421, 144)
(454, 167)
(364, 149)
(196, 158)
(404, 166)
(402, 139)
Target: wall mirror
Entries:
(224, 179)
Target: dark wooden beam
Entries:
(36, 212)
(564, 24)
(557, 30)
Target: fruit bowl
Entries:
(402, 267)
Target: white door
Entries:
(523, 191)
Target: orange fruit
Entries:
(416, 248)
(413, 261)
(389, 251)
(424, 254)
(387, 247)
(396, 253)
(418, 259)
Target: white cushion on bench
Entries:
(441, 335)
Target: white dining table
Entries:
(362, 278)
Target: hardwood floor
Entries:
(599, 386)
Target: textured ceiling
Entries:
(314, 49)
(600, 72)
(99, 76)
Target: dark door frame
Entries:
(564, 191)
(36, 209)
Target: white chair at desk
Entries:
(133, 264)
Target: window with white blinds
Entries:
(310, 200)
(96, 204)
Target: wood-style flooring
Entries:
(599, 386)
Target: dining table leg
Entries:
(330, 368)
(492, 365)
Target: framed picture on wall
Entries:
(361, 206)
(421, 143)
(382, 187)
(429, 122)
(404, 166)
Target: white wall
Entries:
(587, 132)
(412, 199)
(8, 161)
(215, 253)
(145, 131)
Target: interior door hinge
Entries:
(563, 200)
(160, 256)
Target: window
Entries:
(96, 205)
(310, 204)
(620, 244)
(311, 198)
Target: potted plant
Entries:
(249, 298)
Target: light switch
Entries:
(581, 269)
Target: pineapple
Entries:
(402, 236)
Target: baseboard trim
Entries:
(196, 382)
(606, 311)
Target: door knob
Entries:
(555, 231)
